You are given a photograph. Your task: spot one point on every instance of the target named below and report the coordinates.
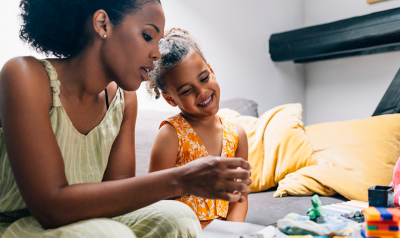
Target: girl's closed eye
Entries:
(205, 79)
(187, 91)
(147, 37)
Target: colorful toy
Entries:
(316, 212)
(381, 196)
(382, 222)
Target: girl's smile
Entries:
(207, 102)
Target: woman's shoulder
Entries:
(23, 64)
(25, 70)
(25, 75)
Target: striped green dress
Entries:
(85, 158)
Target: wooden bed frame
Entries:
(390, 102)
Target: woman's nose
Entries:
(155, 54)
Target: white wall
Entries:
(346, 88)
(10, 44)
(234, 36)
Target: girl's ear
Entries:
(209, 66)
(102, 24)
(169, 99)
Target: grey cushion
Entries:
(243, 106)
(264, 209)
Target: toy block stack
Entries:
(382, 222)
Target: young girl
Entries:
(185, 80)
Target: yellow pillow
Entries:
(345, 157)
(352, 156)
(277, 144)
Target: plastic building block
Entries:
(372, 214)
(382, 222)
(369, 227)
(395, 213)
(385, 215)
(381, 196)
(381, 233)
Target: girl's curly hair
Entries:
(174, 47)
(56, 27)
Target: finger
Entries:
(228, 196)
(238, 180)
(231, 197)
(232, 186)
(236, 174)
(242, 199)
(235, 163)
(247, 181)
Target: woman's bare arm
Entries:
(38, 166)
(238, 210)
(122, 159)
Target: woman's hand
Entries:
(212, 177)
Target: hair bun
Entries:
(176, 32)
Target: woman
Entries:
(63, 173)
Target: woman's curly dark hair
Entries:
(174, 47)
(56, 27)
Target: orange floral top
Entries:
(191, 148)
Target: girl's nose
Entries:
(202, 91)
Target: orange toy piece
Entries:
(395, 212)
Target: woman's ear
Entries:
(169, 99)
(209, 66)
(102, 24)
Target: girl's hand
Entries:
(212, 177)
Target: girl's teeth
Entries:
(208, 100)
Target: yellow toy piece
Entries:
(372, 214)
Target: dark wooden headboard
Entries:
(390, 102)
(373, 33)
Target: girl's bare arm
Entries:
(38, 166)
(165, 149)
(238, 210)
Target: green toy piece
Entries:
(316, 211)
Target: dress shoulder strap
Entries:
(54, 82)
(231, 137)
(178, 123)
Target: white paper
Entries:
(228, 229)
